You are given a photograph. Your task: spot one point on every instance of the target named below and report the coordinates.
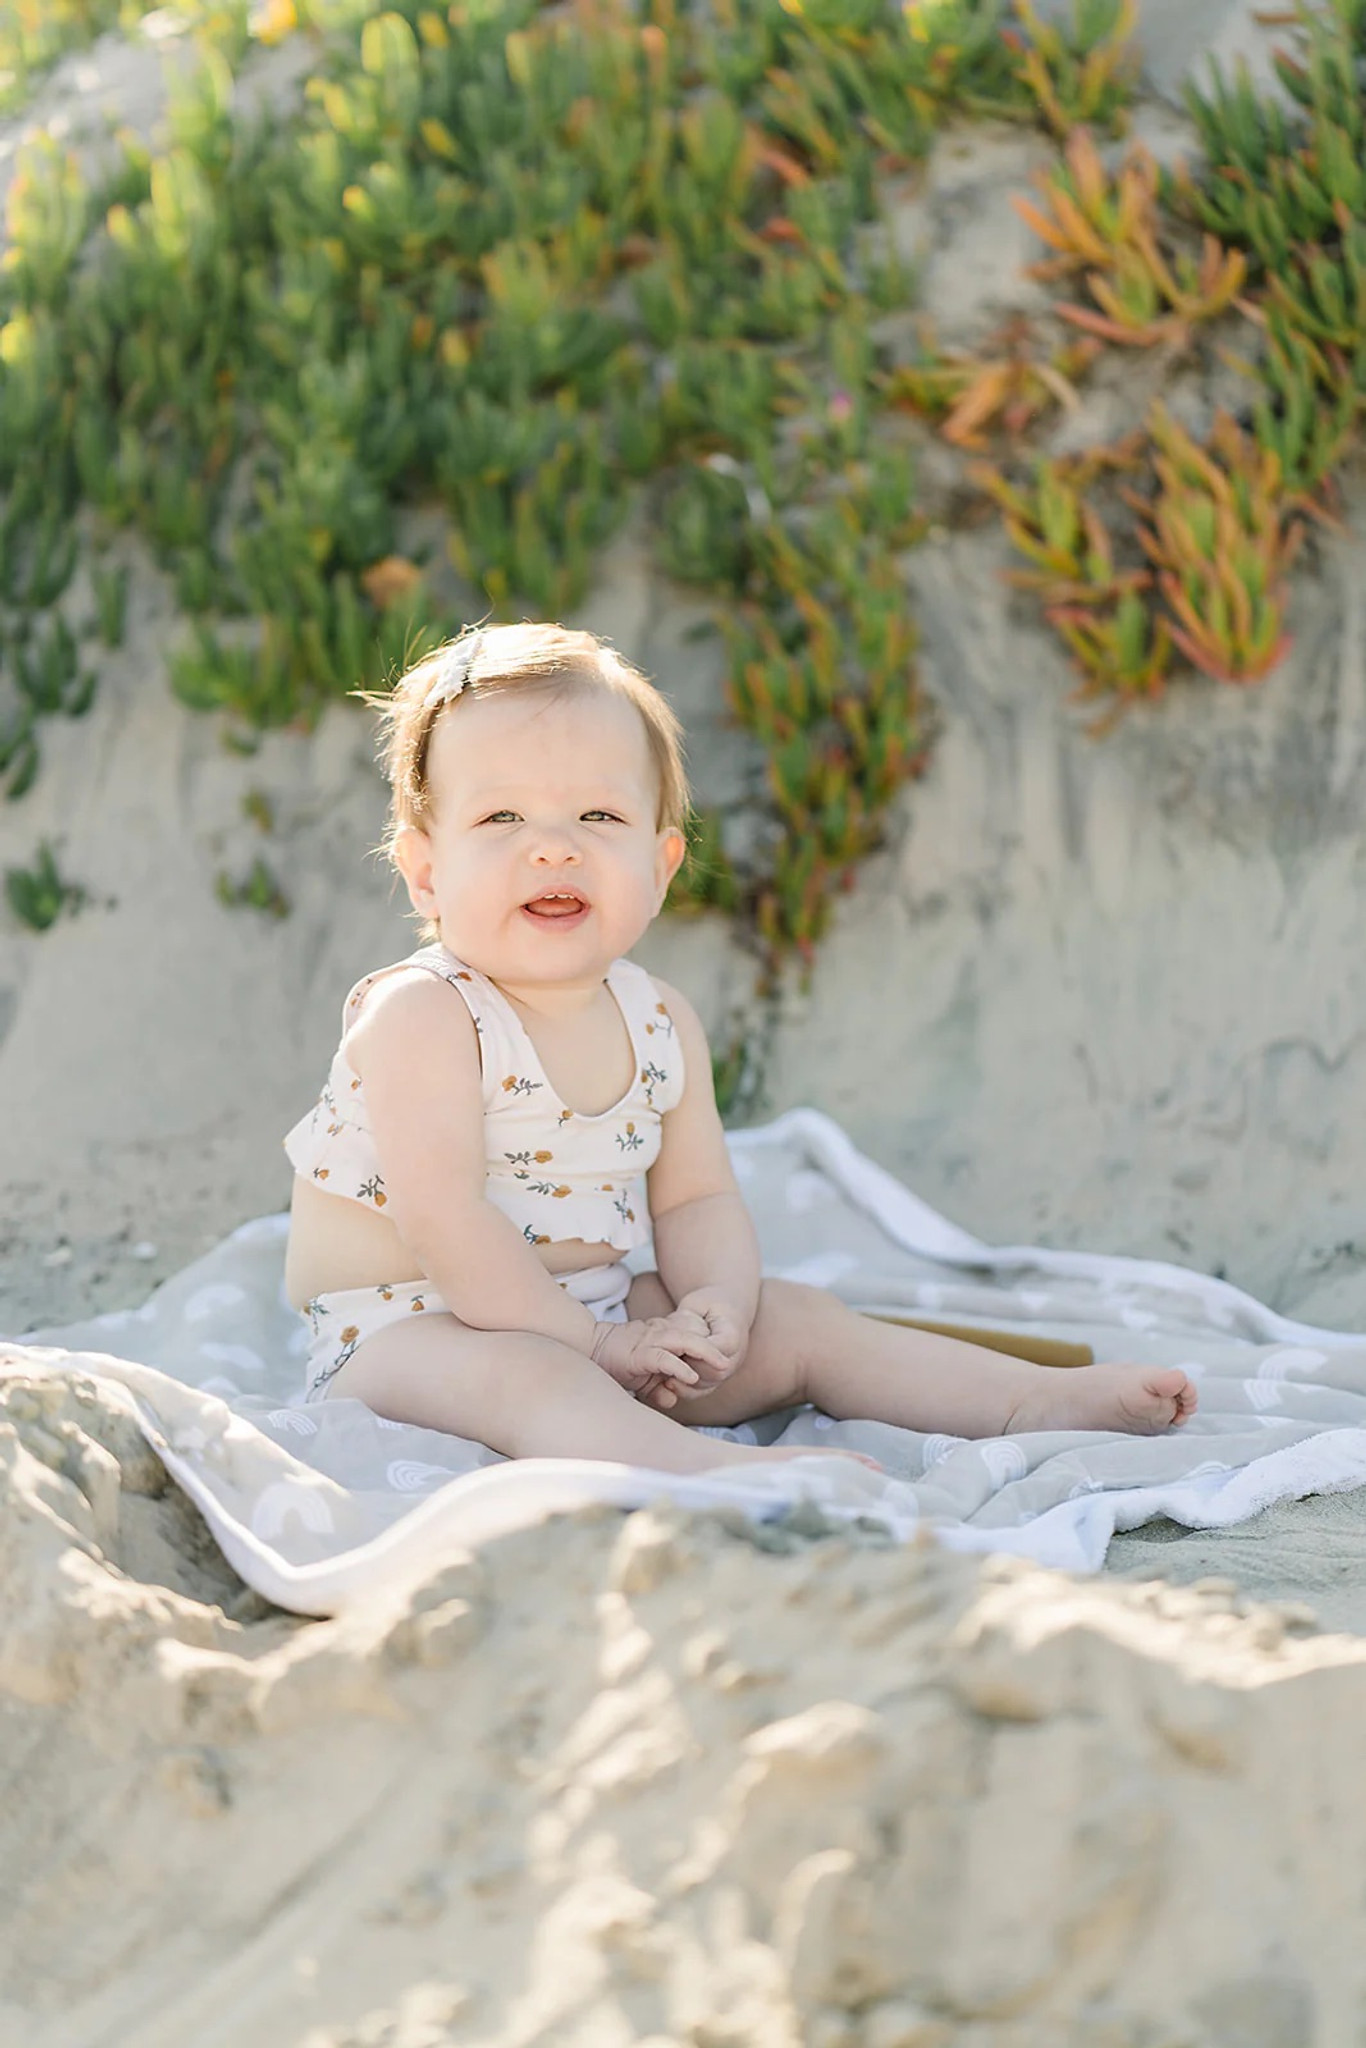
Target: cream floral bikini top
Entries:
(554, 1171)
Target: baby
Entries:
(517, 1105)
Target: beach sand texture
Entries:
(635, 1780)
(643, 1779)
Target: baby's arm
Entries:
(705, 1242)
(416, 1051)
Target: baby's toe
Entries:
(1173, 1394)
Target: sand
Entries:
(634, 1780)
(646, 1779)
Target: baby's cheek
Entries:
(644, 889)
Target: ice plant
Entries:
(707, 879)
(1307, 408)
(971, 396)
(1079, 76)
(1323, 296)
(1195, 290)
(1112, 230)
(1122, 649)
(1221, 539)
(822, 675)
(1090, 218)
(1061, 533)
(1102, 612)
(38, 895)
(509, 264)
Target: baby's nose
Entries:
(556, 845)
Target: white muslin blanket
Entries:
(315, 1506)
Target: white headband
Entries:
(454, 671)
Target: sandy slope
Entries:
(634, 1779)
(625, 1781)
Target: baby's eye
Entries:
(610, 815)
(497, 817)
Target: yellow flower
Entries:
(276, 20)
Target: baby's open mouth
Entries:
(556, 905)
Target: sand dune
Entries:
(640, 1779)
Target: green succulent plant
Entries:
(526, 269)
(38, 895)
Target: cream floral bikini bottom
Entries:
(339, 1323)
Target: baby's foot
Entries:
(1142, 1399)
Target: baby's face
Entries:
(543, 861)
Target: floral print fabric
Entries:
(556, 1172)
(338, 1324)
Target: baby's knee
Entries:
(801, 1314)
(797, 1323)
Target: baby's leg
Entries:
(525, 1395)
(806, 1345)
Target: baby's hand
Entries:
(721, 1321)
(715, 1330)
(653, 1355)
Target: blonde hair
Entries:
(547, 659)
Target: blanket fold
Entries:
(316, 1506)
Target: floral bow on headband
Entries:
(454, 671)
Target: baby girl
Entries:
(517, 1105)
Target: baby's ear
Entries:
(670, 847)
(412, 853)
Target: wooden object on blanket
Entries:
(1038, 1350)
